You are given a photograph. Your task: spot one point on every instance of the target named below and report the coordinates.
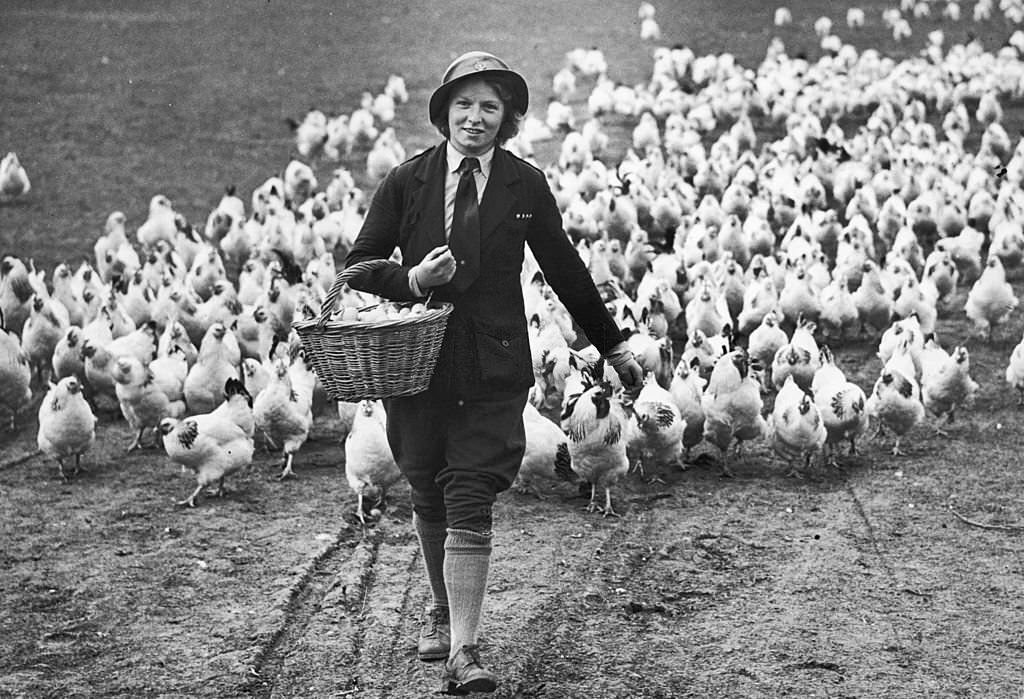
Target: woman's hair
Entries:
(509, 122)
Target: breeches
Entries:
(457, 456)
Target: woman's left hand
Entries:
(632, 376)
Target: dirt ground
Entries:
(851, 582)
(861, 581)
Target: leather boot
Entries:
(435, 636)
(463, 674)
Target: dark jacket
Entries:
(486, 351)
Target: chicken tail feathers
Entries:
(290, 270)
(563, 464)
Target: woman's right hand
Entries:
(437, 268)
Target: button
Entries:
(462, 262)
(504, 343)
(461, 403)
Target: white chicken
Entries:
(991, 299)
(547, 457)
(143, 401)
(895, 403)
(67, 358)
(212, 445)
(765, 342)
(159, 225)
(370, 467)
(597, 427)
(67, 425)
(1015, 371)
(284, 408)
(218, 360)
(687, 387)
(798, 358)
(732, 406)
(657, 426)
(841, 402)
(46, 324)
(946, 383)
(903, 335)
(796, 429)
(14, 181)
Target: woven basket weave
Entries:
(357, 360)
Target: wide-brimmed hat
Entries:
(478, 64)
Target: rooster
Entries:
(596, 425)
(67, 425)
(796, 428)
(732, 406)
(547, 452)
(370, 467)
(840, 402)
(213, 445)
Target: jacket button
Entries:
(504, 343)
(461, 403)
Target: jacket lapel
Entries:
(426, 211)
(499, 196)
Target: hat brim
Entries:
(513, 80)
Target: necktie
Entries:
(465, 237)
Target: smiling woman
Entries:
(462, 213)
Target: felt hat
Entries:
(477, 64)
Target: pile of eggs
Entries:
(380, 312)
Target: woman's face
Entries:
(475, 112)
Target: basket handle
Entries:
(340, 280)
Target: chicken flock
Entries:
(742, 238)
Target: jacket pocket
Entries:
(503, 359)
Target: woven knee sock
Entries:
(432, 536)
(467, 555)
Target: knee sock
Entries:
(466, 561)
(432, 536)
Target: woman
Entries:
(461, 213)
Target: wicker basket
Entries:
(358, 360)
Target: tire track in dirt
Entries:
(335, 567)
(357, 636)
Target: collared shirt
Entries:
(451, 182)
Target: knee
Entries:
(429, 506)
(472, 517)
